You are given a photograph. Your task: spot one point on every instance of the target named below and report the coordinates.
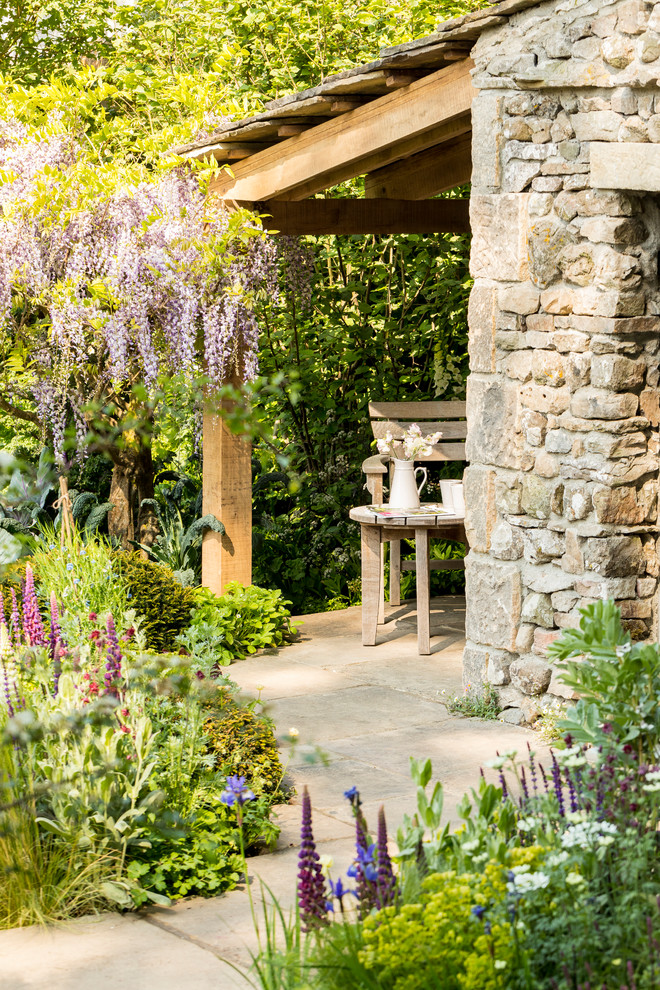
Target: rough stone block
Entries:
(570, 340)
(546, 578)
(492, 409)
(536, 497)
(595, 587)
(508, 494)
(525, 637)
(542, 640)
(546, 399)
(506, 542)
(626, 506)
(480, 512)
(548, 237)
(530, 675)
(573, 560)
(519, 365)
(534, 426)
(542, 545)
(635, 609)
(614, 556)
(597, 125)
(577, 500)
(548, 368)
(499, 242)
(604, 203)
(537, 608)
(475, 662)
(546, 465)
(649, 403)
(522, 298)
(591, 403)
(633, 17)
(624, 100)
(563, 601)
(482, 314)
(649, 49)
(613, 230)
(493, 601)
(558, 688)
(646, 586)
(616, 372)
(487, 141)
(558, 442)
(497, 667)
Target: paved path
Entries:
(369, 709)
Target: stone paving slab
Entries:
(108, 953)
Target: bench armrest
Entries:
(375, 467)
(376, 464)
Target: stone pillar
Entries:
(563, 410)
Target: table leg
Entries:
(372, 583)
(395, 572)
(422, 572)
(381, 589)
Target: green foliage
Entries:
(24, 497)
(485, 705)
(618, 682)
(157, 596)
(80, 572)
(242, 743)
(388, 321)
(178, 545)
(229, 627)
(437, 942)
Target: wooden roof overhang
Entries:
(403, 122)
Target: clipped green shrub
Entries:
(157, 596)
(242, 621)
(243, 743)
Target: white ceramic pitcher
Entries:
(404, 493)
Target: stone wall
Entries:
(563, 400)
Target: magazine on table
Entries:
(427, 511)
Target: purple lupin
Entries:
(16, 619)
(113, 660)
(312, 899)
(32, 625)
(559, 786)
(55, 641)
(5, 663)
(386, 882)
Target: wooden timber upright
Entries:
(411, 141)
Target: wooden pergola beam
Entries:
(425, 174)
(366, 216)
(371, 136)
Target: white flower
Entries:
(470, 846)
(575, 879)
(527, 824)
(523, 883)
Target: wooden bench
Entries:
(396, 418)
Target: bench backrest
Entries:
(448, 417)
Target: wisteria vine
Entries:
(103, 289)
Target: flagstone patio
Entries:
(367, 710)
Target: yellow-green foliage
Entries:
(439, 942)
(156, 595)
(243, 743)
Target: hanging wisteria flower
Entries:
(411, 445)
(118, 280)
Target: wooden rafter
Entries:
(426, 174)
(367, 216)
(372, 136)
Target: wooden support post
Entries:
(227, 484)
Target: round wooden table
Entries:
(379, 529)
